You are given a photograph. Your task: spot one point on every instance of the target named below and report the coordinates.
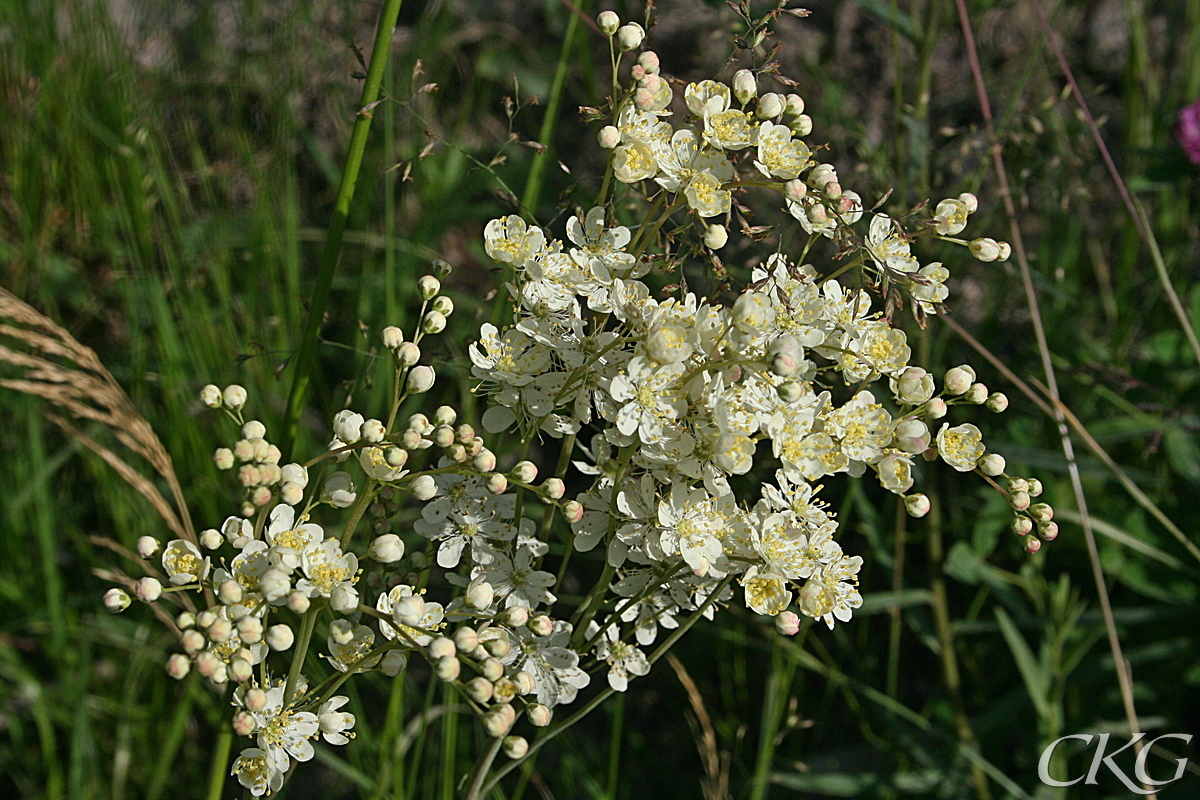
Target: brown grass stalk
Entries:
(1124, 677)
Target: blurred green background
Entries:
(166, 175)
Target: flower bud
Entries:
(240, 670)
(429, 286)
(485, 461)
(495, 722)
(254, 430)
(524, 472)
(795, 190)
(787, 623)
(504, 691)
(1005, 251)
(387, 549)
(912, 436)
(649, 62)
(1018, 485)
(185, 620)
(420, 379)
(234, 397)
(396, 457)
(434, 322)
(1018, 500)
(515, 746)
(220, 630)
(1021, 526)
(466, 639)
(769, 106)
(1041, 512)
(193, 641)
(515, 616)
(447, 668)
(524, 682)
(997, 402)
(210, 396)
(985, 250)
(498, 647)
(393, 663)
(608, 22)
(250, 629)
(280, 637)
(913, 387)
(992, 464)
(492, 669)
(409, 610)
(441, 647)
(977, 394)
(443, 305)
(223, 458)
(1048, 531)
(745, 87)
(147, 546)
(541, 625)
(230, 592)
(373, 431)
(423, 487)
(497, 483)
(148, 590)
(917, 505)
(179, 665)
(298, 602)
(274, 584)
(715, 237)
(243, 723)
(935, 408)
(786, 356)
(572, 511)
(630, 35)
(802, 125)
(794, 105)
(1034, 487)
(392, 337)
(116, 600)
(957, 381)
(1032, 544)
(291, 493)
(538, 714)
(479, 689)
(817, 214)
(408, 354)
(554, 488)
(608, 137)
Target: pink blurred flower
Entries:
(1189, 131)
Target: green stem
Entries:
(218, 771)
(485, 764)
(306, 355)
(537, 169)
(306, 630)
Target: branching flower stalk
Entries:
(666, 405)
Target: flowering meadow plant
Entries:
(696, 435)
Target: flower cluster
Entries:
(695, 433)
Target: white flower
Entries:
(766, 593)
(778, 155)
(288, 538)
(431, 619)
(832, 592)
(624, 660)
(375, 464)
(283, 730)
(351, 655)
(553, 666)
(692, 527)
(333, 722)
(183, 562)
(517, 581)
(508, 239)
(327, 569)
(888, 247)
(338, 490)
(261, 771)
(347, 426)
(648, 397)
(961, 447)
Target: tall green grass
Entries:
(170, 214)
